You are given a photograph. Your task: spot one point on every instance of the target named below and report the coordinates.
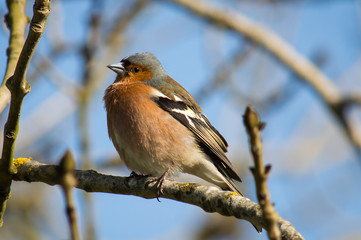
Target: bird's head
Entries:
(138, 67)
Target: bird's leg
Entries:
(160, 181)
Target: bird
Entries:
(159, 130)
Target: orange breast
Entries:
(145, 136)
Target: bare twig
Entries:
(114, 42)
(67, 182)
(45, 65)
(40, 116)
(19, 87)
(225, 72)
(270, 217)
(16, 21)
(210, 199)
(89, 51)
(255, 32)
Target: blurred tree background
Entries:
(314, 153)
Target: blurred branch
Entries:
(239, 23)
(46, 67)
(19, 87)
(88, 55)
(67, 182)
(270, 217)
(94, 74)
(218, 227)
(210, 199)
(225, 71)
(113, 42)
(271, 41)
(16, 21)
(40, 115)
(25, 212)
(353, 98)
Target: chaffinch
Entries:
(158, 128)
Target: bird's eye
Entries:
(136, 69)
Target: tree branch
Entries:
(68, 181)
(16, 21)
(19, 87)
(210, 199)
(113, 43)
(225, 72)
(270, 217)
(269, 40)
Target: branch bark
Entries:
(254, 127)
(210, 199)
(16, 21)
(67, 182)
(19, 87)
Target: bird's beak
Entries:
(117, 67)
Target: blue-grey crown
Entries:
(149, 60)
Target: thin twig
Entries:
(19, 87)
(16, 21)
(210, 199)
(67, 182)
(45, 65)
(89, 53)
(113, 42)
(224, 72)
(270, 217)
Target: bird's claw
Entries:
(159, 186)
(159, 183)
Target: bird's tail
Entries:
(230, 185)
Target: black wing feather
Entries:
(208, 138)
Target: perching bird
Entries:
(158, 128)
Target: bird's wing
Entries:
(192, 117)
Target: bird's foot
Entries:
(160, 181)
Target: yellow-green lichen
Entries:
(232, 194)
(20, 161)
(188, 187)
